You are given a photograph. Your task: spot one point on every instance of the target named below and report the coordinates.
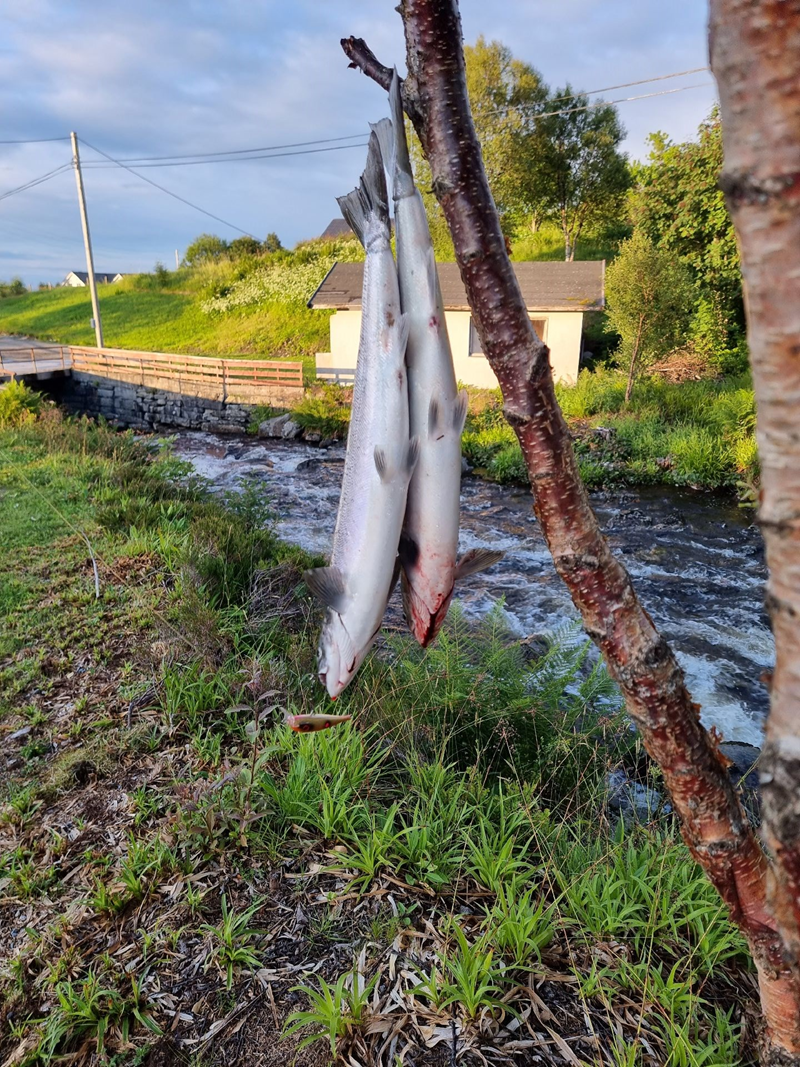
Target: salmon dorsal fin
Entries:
(477, 559)
(328, 586)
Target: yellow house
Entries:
(557, 296)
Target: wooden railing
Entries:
(226, 374)
(221, 379)
(33, 359)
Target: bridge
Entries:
(244, 381)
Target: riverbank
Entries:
(443, 873)
(699, 434)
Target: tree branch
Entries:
(363, 58)
(713, 822)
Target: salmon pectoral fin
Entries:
(460, 411)
(477, 559)
(381, 464)
(434, 417)
(412, 455)
(327, 585)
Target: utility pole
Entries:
(177, 260)
(87, 241)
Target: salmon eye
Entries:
(304, 727)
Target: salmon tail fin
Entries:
(384, 131)
(403, 175)
(366, 209)
(477, 559)
(460, 411)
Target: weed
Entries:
(232, 940)
(335, 1008)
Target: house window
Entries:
(476, 348)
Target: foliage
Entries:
(401, 805)
(206, 246)
(677, 202)
(140, 313)
(504, 95)
(18, 404)
(650, 299)
(336, 1008)
(272, 243)
(324, 409)
(244, 246)
(699, 433)
(582, 177)
(290, 280)
(16, 287)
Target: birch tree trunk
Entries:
(755, 56)
(713, 822)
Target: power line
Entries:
(239, 159)
(626, 85)
(242, 151)
(606, 103)
(36, 181)
(36, 140)
(169, 192)
(201, 157)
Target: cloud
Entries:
(152, 78)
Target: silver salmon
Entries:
(437, 410)
(380, 454)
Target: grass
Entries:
(191, 871)
(700, 434)
(169, 314)
(548, 244)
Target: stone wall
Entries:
(138, 407)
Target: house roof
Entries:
(546, 286)
(337, 228)
(101, 279)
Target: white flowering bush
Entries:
(289, 280)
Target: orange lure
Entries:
(306, 724)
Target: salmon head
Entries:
(337, 660)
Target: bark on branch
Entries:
(713, 822)
(755, 56)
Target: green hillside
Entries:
(252, 307)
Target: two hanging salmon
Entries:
(381, 455)
(437, 410)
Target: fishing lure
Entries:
(306, 724)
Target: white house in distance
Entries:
(557, 296)
(80, 278)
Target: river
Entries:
(696, 560)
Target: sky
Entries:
(150, 78)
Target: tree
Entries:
(581, 177)
(755, 56)
(206, 246)
(650, 296)
(244, 246)
(505, 95)
(676, 200)
(272, 243)
(713, 822)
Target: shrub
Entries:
(18, 404)
(324, 409)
